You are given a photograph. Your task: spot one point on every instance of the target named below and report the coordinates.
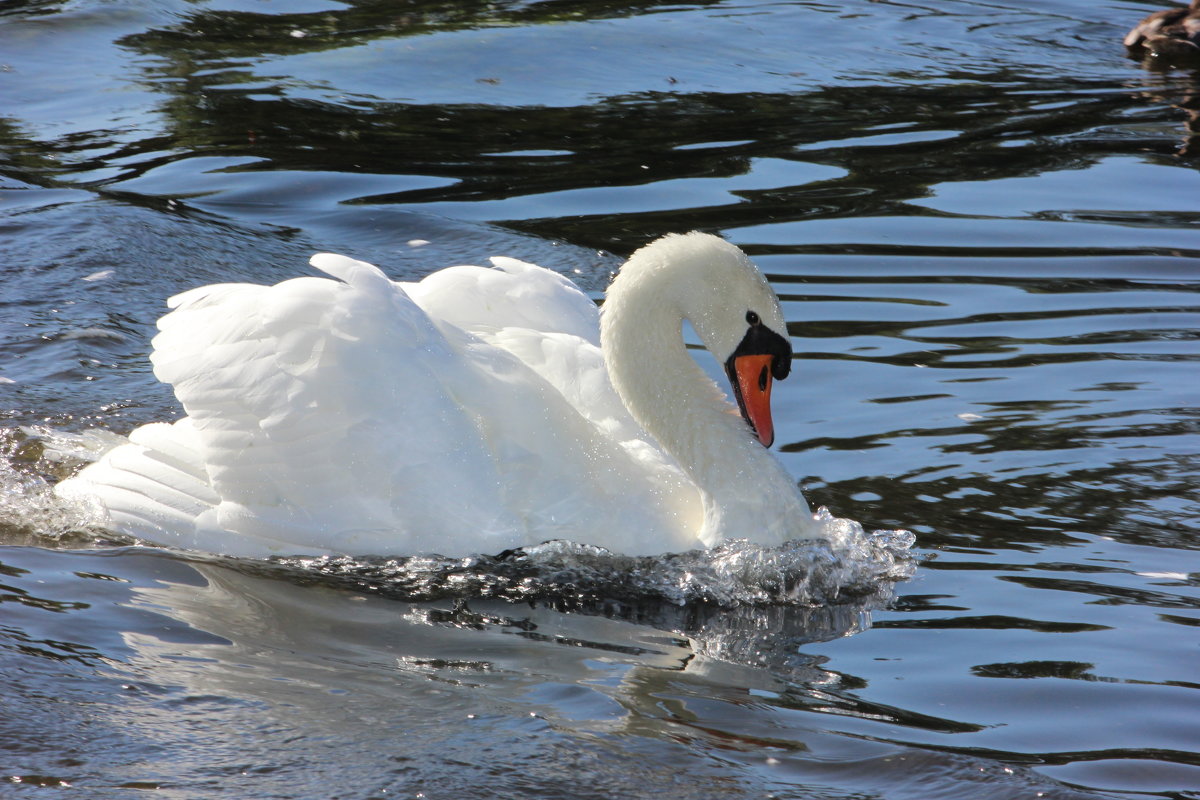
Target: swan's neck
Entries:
(746, 491)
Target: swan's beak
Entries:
(751, 378)
(762, 355)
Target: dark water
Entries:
(984, 222)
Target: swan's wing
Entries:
(312, 405)
(513, 294)
(542, 319)
(551, 326)
(338, 416)
(325, 406)
(575, 368)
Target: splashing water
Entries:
(849, 565)
(31, 461)
(737, 603)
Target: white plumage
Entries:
(470, 412)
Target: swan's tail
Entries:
(154, 487)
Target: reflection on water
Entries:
(253, 674)
(981, 219)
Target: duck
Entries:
(1171, 35)
(475, 411)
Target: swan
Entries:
(474, 411)
(1171, 34)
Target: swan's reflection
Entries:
(316, 645)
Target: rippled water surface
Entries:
(984, 223)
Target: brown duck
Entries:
(1171, 35)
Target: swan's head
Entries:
(733, 310)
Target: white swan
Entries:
(475, 411)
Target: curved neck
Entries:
(746, 491)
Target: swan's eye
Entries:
(752, 318)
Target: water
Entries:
(982, 220)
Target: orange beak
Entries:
(752, 388)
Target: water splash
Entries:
(31, 461)
(736, 603)
(849, 565)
